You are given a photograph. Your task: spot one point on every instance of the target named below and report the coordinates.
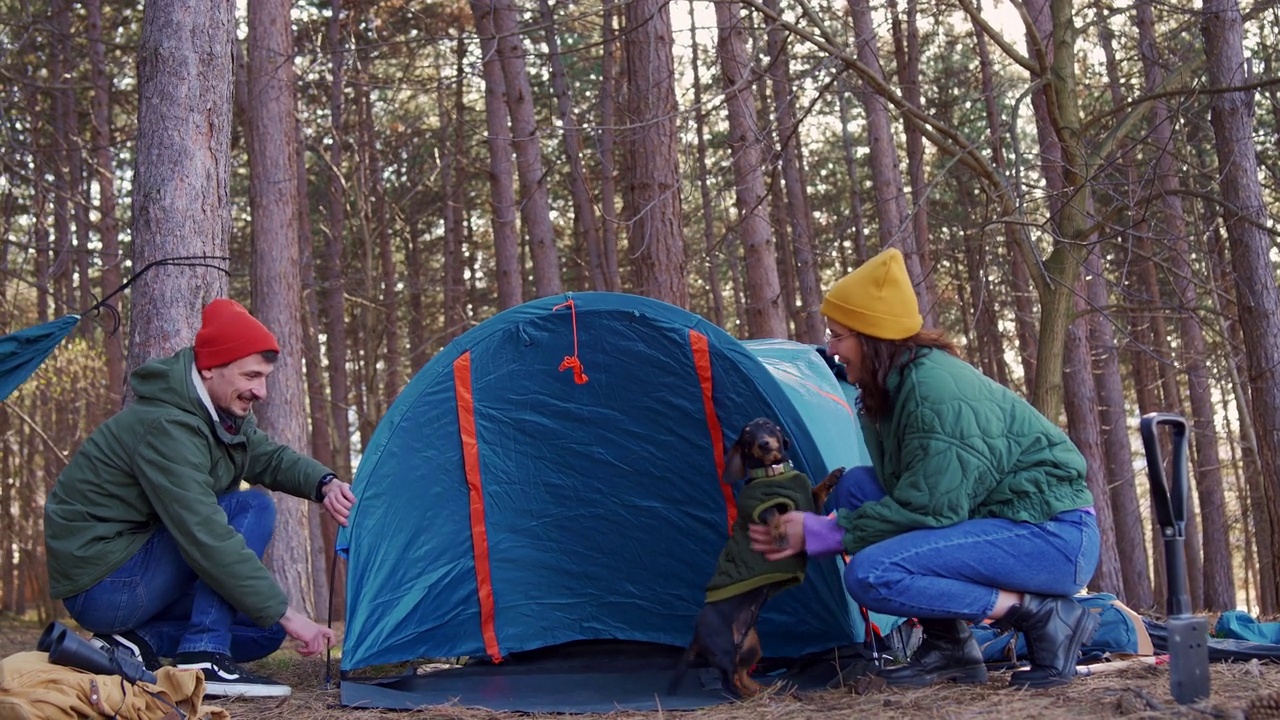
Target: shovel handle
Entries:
(1169, 498)
(1170, 501)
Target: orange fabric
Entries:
(475, 494)
(702, 363)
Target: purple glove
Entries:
(822, 535)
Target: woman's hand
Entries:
(788, 544)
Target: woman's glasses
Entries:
(828, 338)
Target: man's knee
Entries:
(255, 505)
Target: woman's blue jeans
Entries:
(955, 571)
(158, 596)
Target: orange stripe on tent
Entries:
(702, 363)
(843, 403)
(475, 495)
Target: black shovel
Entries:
(1188, 634)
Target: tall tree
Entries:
(502, 192)
(810, 326)
(180, 198)
(583, 204)
(766, 314)
(1219, 583)
(110, 258)
(535, 206)
(655, 231)
(895, 227)
(1245, 217)
(277, 284)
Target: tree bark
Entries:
(180, 197)
(535, 206)
(109, 258)
(655, 231)
(1219, 581)
(583, 204)
(715, 300)
(766, 315)
(272, 134)
(1085, 432)
(506, 239)
(810, 326)
(1257, 297)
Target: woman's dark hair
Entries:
(880, 357)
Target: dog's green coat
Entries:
(740, 568)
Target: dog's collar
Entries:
(770, 471)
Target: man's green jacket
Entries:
(163, 461)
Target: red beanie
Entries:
(227, 333)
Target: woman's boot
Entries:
(948, 653)
(1055, 627)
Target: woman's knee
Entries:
(858, 485)
(864, 581)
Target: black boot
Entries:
(948, 653)
(1055, 627)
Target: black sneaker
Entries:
(223, 677)
(130, 645)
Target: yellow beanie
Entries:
(876, 299)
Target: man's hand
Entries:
(338, 500)
(313, 636)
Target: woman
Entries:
(975, 509)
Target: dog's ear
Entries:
(734, 470)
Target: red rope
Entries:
(572, 361)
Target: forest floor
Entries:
(1249, 691)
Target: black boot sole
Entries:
(1083, 634)
(976, 675)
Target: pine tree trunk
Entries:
(506, 238)
(706, 210)
(334, 302)
(535, 206)
(809, 326)
(453, 178)
(1218, 564)
(1257, 297)
(583, 204)
(1086, 433)
(272, 133)
(180, 186)
(766, 315)
(655, 231)
(608, 159)
(109, 256)
(1019, 277)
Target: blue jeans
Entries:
(158, 596)
(955, 571)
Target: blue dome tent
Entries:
(553, 475)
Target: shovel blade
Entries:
(1188, 658)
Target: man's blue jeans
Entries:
(955, 571)
(157, 595)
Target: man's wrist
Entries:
(322, 484)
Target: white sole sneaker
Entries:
(248, 690)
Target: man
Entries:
(151, 542)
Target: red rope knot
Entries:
(572, 361)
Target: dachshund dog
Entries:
(725, 631)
